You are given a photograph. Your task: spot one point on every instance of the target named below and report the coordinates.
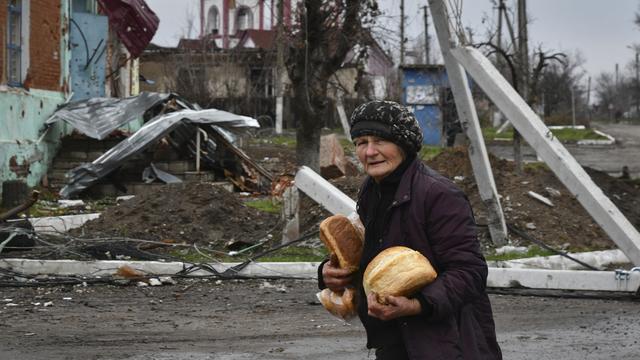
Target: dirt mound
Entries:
(566, 224)
(185, 212)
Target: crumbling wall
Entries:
(24, 152)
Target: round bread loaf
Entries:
(397, 271)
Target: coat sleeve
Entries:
(462, 270)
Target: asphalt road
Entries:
(607, 158)
(233, 320)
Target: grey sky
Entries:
(600, 29)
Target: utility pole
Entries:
(401, 32)
(523, 52)
(426, 35)
(279, 67)
(499, 59)
(637, 85)
(589, 102)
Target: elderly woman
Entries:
(404, 202)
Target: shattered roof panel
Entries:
(133, 21)
(98, 117)
(86, 175)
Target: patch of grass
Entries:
(267, 205)
(295, 253)
(533, 251)
(428, 152)
(564, 135)
(283, 140)
(535, 166)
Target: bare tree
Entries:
(326, 32)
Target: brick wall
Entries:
(44, 45)
(3, 36)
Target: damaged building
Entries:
(56, 52)
(232, 63)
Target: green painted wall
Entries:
(24, 152)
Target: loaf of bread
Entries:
(397, 271)
(343, 239)
(342, 305)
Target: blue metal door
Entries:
(88, 39)
(430, 119)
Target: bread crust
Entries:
(342, 238)
(397, 271)
(342, 305)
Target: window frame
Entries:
(17, 10)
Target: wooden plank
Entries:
(549, 149)
(471, 125)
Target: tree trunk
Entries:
(310, 109)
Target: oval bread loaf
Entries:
(397, 271)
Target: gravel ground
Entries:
(275, 319)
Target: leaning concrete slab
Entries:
(551, 150)
(471, 125)
(323, 192)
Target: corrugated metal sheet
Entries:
(133, 21)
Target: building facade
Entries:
(53, 52)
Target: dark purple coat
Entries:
(431, 215)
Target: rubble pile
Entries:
(565, 224)
(191, 212)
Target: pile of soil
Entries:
(205, 214)
(565, 225)
(188, 212)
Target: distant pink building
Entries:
(225, 21)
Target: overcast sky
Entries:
(601, 30)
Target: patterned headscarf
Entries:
(388, 120)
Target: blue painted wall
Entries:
(421, 90)
(88, 39)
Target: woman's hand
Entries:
(397, 306)
(334, 277)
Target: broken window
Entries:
(85, 6)
(14, 43)
(212, 20)
(244, 19)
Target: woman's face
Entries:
(378, 156)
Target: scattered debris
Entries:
(278, 288)
(509, 249)
(128, 272)
(552, 192)
(68, 204)
(540, 198)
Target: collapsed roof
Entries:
(100, 116)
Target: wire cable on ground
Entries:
(526, 236)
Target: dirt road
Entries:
(278, 319)
(607, 158)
